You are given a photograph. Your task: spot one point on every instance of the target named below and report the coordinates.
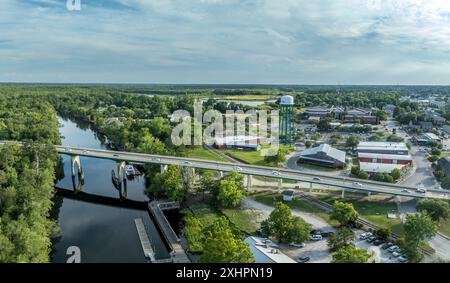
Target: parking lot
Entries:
(317, 251)
(384, 256)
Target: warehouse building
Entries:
(383, 157)
(323, 155)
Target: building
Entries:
(438, 120)
(318, 111)
(288, 195)
(364, 119)
(425, 138)
(426, 126)
(446, 129)
(323, 155)
(239, 142)
(389, 109)
(287, 120)
(383, 157)
(266, 252)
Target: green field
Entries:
(202, 153)
(298, 204)
(244, 219)
(251, 156)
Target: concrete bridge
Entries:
(323, 180)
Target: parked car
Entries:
(365, 235)
(387, 246)
(378, 242)
(402, 259)
(370, 239)
(297, 245)
(316, 237)
(316, 232)
(393, 249)
(303, 259)
(326, 234)
(396, 254)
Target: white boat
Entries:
(129, 170)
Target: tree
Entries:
(208, 183)
(231, 190)
(324, 124)
(445, 183)
(308, 144)
(352, 141)
(351, 254)
(363, 175)
(344, 213)
(418, 227)
(169, 184)
(395, 173)
(383, 233)
(220, 245)
(343, 237)
(355, 170)
(378, 177)
(284, 227)
(388, 178)
(278, 157)
(437, 209)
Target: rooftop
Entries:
(264, 253)
(383, 145)
(327, 149)
(379, 167)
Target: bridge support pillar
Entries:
(310, 187)
(220, 174)
(77, 162)
(343, 194)
(369, 194)
(163, 168)
(249, 182)
(280, 184)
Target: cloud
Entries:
(227, 41)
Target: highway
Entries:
(345, 183)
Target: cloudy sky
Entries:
(226, 41)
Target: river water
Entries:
(102, 233)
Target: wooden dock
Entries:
(156, 209)
(145, 241)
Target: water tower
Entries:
(287, 120)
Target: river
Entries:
(102, 233)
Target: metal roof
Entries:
(327, 149)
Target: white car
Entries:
(365, 235)
(395, 254)
(393, 249)
(406, 191)
(187, 162)
(237, 168)
(297, 245)
(316, 237)
(402, 259)
(276, 173)
(357, 184)
(421, 190)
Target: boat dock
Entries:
(145, 241)
(156, 208)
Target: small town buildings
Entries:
(389, 109)
(266, 252)
(318, 111)
(446, 129)
(323, 155)
(364, 119)
(425, 138)
(438, 120)
(239, 142)
(383, 157)
(426, 126)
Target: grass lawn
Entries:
(248, 97)
(205, 213)
(202, 153)
(374, 211)
(444, 227)
(253, 157)
(245, 220)
(298, 204)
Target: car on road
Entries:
(387, 246)
(115, 155)
(276, 173)
(316, 237)
(406, 191)
(378, 242)
(317, 179)
(370, 239)
(237, 168)
(402, 259)
(85, 151)
(187, 162)
(393, 248)
(358, 184)
(421, 190)
(303, 259)
(297, 245)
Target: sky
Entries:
(226, 41)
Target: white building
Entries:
(266, 253)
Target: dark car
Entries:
(387, 246)
(370, 239)
(378, 242)
(316, 232)
(326, 234)
(303, 259)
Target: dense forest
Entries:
(27, 176)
